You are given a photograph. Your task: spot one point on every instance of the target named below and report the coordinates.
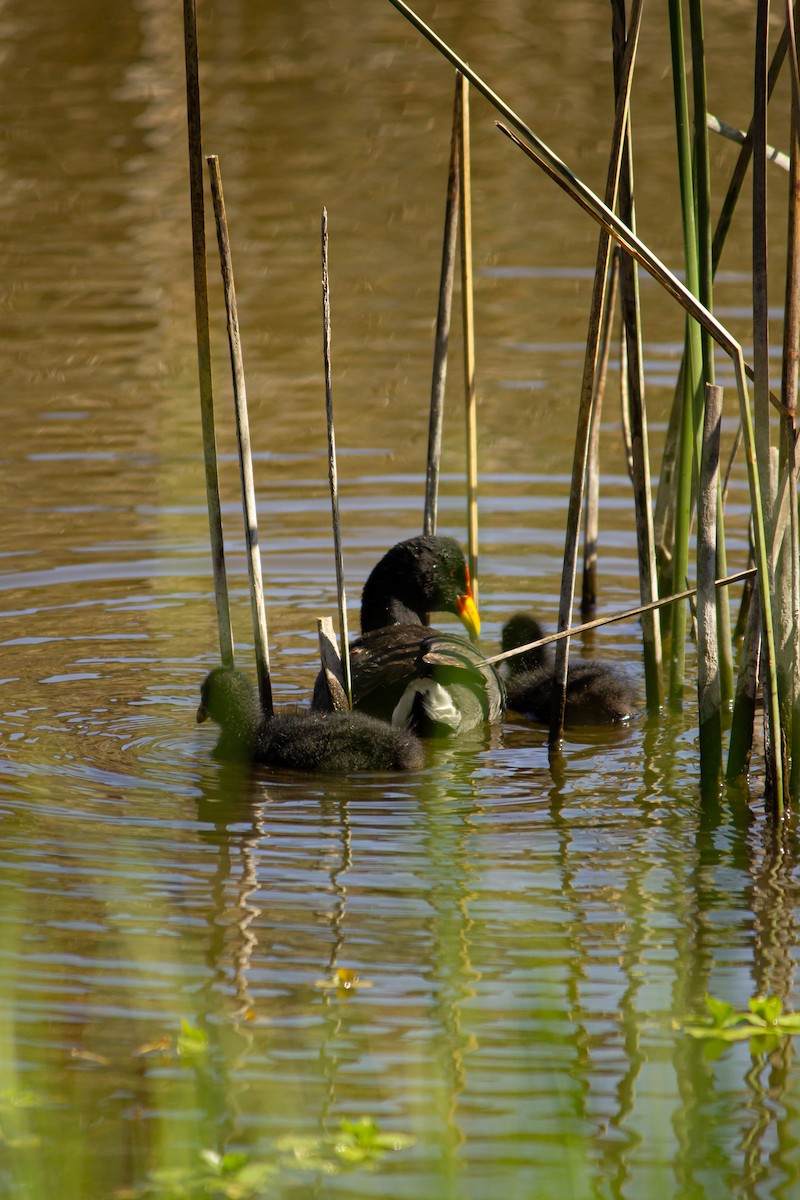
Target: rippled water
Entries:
(524, 938)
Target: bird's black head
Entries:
(417, 577)
(518, 631)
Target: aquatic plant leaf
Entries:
(769, 1008)
(191, 1040)
(763, 1023)
(733, 1033)
(722, 1013)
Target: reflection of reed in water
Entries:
(614, 1152)
(772, 852)
(448, 832)
(339, 864)
(231, 800)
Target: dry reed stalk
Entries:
(630, 614)
(332, 668)
(332, 473)
(592, 512)
(243, 441)
(470, 399)
(203, 336)
(443, 312)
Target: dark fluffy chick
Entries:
(326, 743)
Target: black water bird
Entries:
(596, 694)
(334, 743)
(404, 672)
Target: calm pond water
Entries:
(524, 941)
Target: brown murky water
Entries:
(527, 939)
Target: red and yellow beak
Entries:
(468, 613)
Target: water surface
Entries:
(527, 937)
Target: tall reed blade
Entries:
(708, 676)
(692, 409)
(471, 410)
(788, 563)
(705, 281)
(203, 335)
(332, 473)
(243, 441)
(443, 311)
(761, 401)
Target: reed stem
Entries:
(630, 614)
(692, 409)
(589, 584)
(332, 473)
(465, 191)
(637, 416)
(443, 312)
(708, 673)
(243, 441)
(203, 336)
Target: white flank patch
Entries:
(436, 700)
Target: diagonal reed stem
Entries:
(332, 473)
(243, 441)
(630, 614)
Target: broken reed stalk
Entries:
(630, 614)
(592, 514)
(733, 134)
(332, 473)
(746, 153)
(243, 441)
(551, 164)
(465, 191)
(203, 335)
(708, 671)
(443, 326)
(332, 667)
(634, 369)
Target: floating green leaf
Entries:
(762, 1023)
(191, 1040)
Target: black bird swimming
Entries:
(334, 743)
(596, 694)
(415, 677)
